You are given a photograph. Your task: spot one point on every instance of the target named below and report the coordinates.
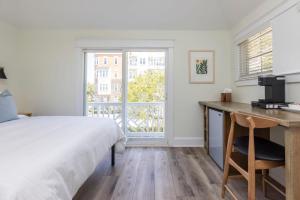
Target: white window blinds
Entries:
(256, 55)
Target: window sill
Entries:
(250, 82)
(289, 79)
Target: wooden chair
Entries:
(262, 154)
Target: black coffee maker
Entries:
(274, 92)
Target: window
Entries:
(156, 61)
(103, 73)
(102, 88)
(114, 87)
(97, 60)
(132, 95)
(116, 60)
(132, 74)
(142, 61)
(132, 60)
(105, 60)
(256, 55)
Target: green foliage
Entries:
(201, 67)
(90, 91)
(149, 87)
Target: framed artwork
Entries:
(202, 66)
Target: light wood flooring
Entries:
(159, 174)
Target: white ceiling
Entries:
(126, 14)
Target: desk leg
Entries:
(292, 163)
(206, 129)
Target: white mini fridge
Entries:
(216, 134)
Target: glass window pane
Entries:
(146, 94)
(104, 85)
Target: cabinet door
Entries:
(216, 133)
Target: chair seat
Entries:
(264, 149)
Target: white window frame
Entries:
(247, 75)
(90, 45)
(236, 54)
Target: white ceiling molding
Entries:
(261, 15)
(261, 18)
(90, 44)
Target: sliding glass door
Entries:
(145, 104)
(128, 87)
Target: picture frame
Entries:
(202, 66)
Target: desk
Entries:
(291, 122)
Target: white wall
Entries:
(262, 15)
(53, 75)
(8, 60)
(246, 94)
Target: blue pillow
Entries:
(8, 109)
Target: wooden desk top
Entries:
(284, 118)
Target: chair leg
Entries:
(251, 184)
(225, 177)
(113, 156)
(228, 155)
(264, 174)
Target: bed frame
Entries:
(113, 156)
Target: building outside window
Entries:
(114, 87)
(105, 60)
(133, 60)
(156, 61)
(142, 61)
(108, 76)
(131, 74)
(102, 87)
(103, 73)
(97, 61)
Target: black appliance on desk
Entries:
(274, 92)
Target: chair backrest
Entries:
(248, 121)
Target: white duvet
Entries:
(49, 158)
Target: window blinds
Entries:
(256, 55)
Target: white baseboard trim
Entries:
(176, 142)
(188, 142)
(154, 142)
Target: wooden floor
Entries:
(160, 174)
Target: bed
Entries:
(49, 158)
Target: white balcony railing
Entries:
(142, 118)
(106, 110)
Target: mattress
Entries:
(49, 158)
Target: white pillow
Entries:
(8, 109)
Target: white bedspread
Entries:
(49, 158)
